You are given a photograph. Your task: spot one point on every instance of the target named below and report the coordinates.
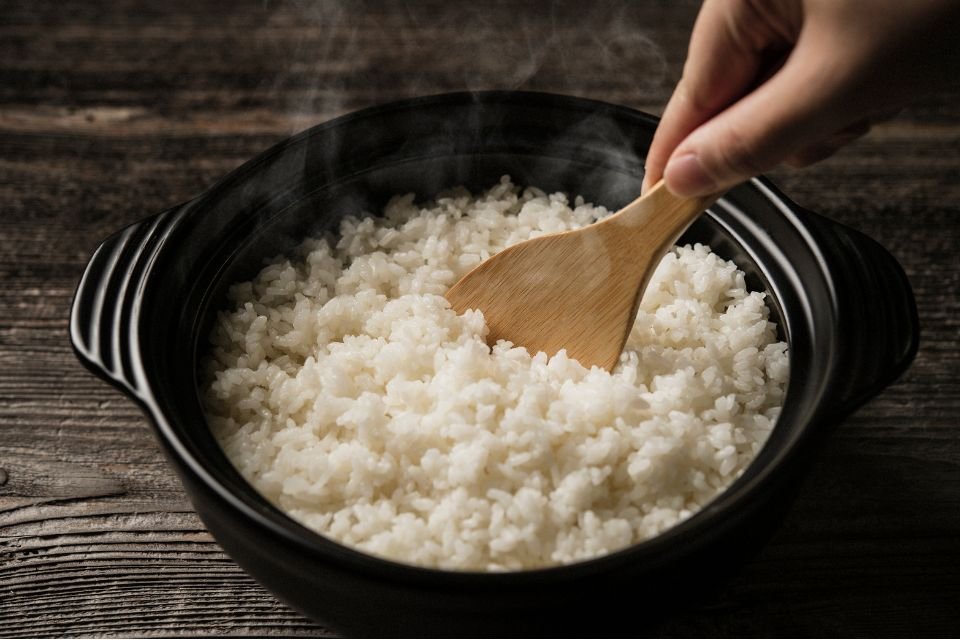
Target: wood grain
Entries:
(110, 111)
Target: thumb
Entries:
(796, 108)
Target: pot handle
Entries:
(879, 330)
(103, 318)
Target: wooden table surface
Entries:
(113, 110)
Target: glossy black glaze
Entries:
(144, 307)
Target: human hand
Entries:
(771, 81)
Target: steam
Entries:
(344, 55)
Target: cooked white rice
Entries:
(348, 393)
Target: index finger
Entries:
(731, 43)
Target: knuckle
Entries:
(738, 155)
(693, 96)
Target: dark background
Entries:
(111, 111)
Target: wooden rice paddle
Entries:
(578, 290)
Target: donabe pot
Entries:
(144, 308)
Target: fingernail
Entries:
(685, 177)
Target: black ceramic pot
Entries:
(145, 304)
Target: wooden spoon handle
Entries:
(657, 218)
